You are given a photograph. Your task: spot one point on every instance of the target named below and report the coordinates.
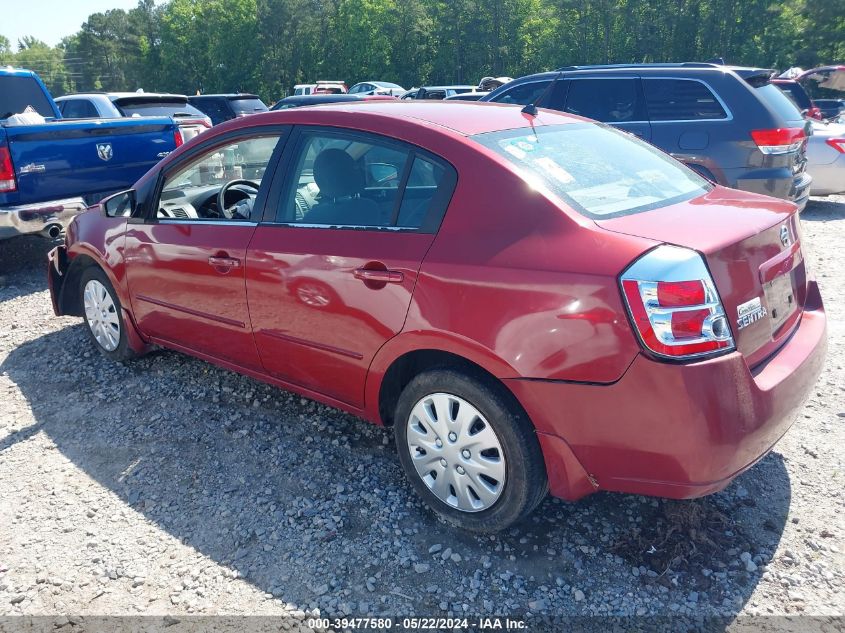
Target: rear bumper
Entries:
(778, 183)
(828, 179)
(675, 430)
(39, 217)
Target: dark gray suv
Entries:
(728, 123)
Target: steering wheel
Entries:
(221, 195)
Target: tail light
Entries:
(674, 305)
(836, 143)
(7, 172)
(782, 140)
(178, 139)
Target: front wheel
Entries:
(469, 452)
(103, 315)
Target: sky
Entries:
(51, 20)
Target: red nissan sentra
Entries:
(534, 302)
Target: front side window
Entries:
(221, 184)
(607, 100)
(598, 171)
(681, 100)
(359, 180)
(523, 94)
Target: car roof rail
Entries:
(644, 65)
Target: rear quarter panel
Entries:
(518, 285)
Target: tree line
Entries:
(266, 46)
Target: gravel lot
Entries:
(169, 486)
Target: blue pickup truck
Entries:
(52, 170)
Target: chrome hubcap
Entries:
(456, 452)
(101, 314)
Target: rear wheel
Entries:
(103, 315)
(469, 453)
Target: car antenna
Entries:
(531, 109)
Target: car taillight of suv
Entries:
(779, 140)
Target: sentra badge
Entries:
(749, 312)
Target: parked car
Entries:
(307, 100)
(437, 92)
(830, 108)
(115, 105)
(377, 88)
(601, 319)
(330, 88)
(728, 123)
(303, 89)
(826, 159)
(223, 107)
(796, 92)
(51, 169)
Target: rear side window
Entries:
(524, 93)
(681, 100)
(16, 93)
(78, 109)
(779, 102)
(608, 100)
(595, 169)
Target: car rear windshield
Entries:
(158, 108)
(247, 106)
(798, 95)
(19, 92)
(782, 105)
(597, 170)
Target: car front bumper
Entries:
(674, 430)
(47, 218)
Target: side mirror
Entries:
(119, 205)
(382, 174)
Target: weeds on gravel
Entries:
(679, 535)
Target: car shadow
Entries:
(18, 257)
(823, 210)
(294, 495)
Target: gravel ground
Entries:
(169, 486)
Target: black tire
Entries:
(525, 483)
(122, 352)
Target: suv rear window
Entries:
(681, 100)
(782, 105)
(597, 170)
(247, 106)
(158, 108)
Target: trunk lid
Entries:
(752, 246)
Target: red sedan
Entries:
(533, 302)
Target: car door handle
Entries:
(379, 276)
(219, 261)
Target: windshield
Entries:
(158, 108)
(598, 171)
